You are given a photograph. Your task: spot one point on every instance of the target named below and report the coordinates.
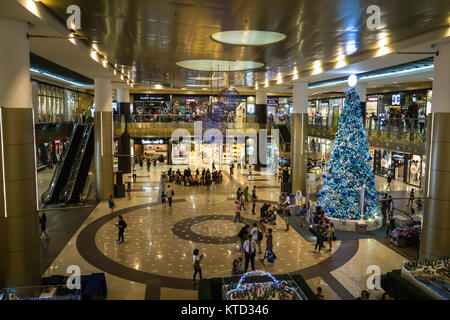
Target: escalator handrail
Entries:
(47, 195)
(66, 194)
(86, 189)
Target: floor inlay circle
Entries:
(185, 229)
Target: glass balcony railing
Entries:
(406, 129)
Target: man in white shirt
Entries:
(169, 194)
(250, 252)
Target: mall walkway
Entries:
(160, 242)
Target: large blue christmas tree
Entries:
(349, 167)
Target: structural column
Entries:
(299, 137)
(104, 138)
(435, 240)
(261, 118)
(361, 90)
(124, 149)
(20, 252)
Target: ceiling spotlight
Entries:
(158, 86)
(256, 85)
(266, 84)
(279, 78)
(121, 77)
(295, 76)
(352, 80)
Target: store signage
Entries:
(57, 142)
(191, 100)
(398, 155)
(148, 97)
(372, 98)
(396, 99)
(153, 141)
(272, 101)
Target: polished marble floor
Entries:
(155, 257)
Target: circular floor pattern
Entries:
(90, 252)
(183, 229)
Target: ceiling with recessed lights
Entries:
(150, 37)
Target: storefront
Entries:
(51, 150)
(151, 148)
(151, 104)
(198, 105)
(403, 166)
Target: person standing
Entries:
(389, 180)
(246, 196)
(121, 225)
(319, 294)
(43, 225)
(83, 117)
(421, 122)
(411, 198)
(169, 195)
(250, 172)
(384, 207)
(197, 267)
(237, 211)
(257, 236)
(111, 203)
(330, 236)
(241, 235)
(320, 233)
(269, 244)
(390, 223)
(163, 199)
(250, 252)
(287, 213)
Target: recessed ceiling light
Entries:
(248, 37)
(219, 65)
(158, 86)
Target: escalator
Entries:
(63, 167)
(285, 133)
(72, 172)
(79, 175)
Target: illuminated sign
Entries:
(154, 141)
(396, 99)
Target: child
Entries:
(163, 198)
(111, 203)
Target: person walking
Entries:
(254, 198)
(111, 203)
(242, 200)
(129, 189)
(169, 195)
(246, 195)
(250, 252)
(384, 207)
(250, 173)
(43, 226)
(237, 211)
(421, 122)
(121, 225)
(197, 267)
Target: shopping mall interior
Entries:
(224, 150)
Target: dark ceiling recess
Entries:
(37, 62)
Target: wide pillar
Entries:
(299, 137)
(104, 138)
(435, 240)
(261, 106)
(124, 145)
(261, 118)
(20, 251)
